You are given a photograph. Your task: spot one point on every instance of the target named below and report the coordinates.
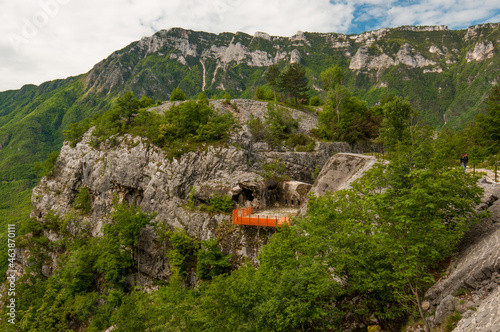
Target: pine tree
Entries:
(293, 82)
(272, 75)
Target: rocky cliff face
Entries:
(338, 173)
(471, 285)
(132, 170)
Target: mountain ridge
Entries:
(446, 74)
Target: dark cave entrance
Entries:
(246, 195)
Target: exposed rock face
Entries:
(369, 37)
(294, 193)
(295, 56)
(482, 51)
(473, 277)
(425, 28)
(133, 170)
(261, 50)
(406, 55)
(263, 35)
(486, 318)
(476, 31)
(338, 173)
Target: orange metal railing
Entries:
(243, 217)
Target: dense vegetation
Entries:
(33, 118)
(344, 257)
(345, 263)
(177, 130)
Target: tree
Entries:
(488, 124)
(127, 106)
(202, 97)
(128, 222)
(400, 219)
(227, 97)
(293, 82)
(211, 261)
(353, 123)
(272, 76)
(331, 80)
(399, 117)
(280, 122)
(331, 77)
(177, 94)
(382, 237)
(183, 248)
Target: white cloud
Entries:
(47, 39)
(454, 13)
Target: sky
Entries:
(42, 40)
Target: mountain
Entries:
(446, 74)
(87, 251)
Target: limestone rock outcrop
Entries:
(131, 169)
(471, 284)
(338, 173)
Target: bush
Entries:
(275, 171)
(451, 321)
(177, 94)
(182, 252)
(226, 97)
(176, 130)
(257, 128)
(211, 261)
(263, 93)
(82, 201)
(194, 120)
(280, 122)
(301, 142)
(314, 101)
(222, 203)
(76, 130)
(260, 93)
(48, 167)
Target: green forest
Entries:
(361, 256)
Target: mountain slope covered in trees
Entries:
(445, 74)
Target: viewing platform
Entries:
(267, 218)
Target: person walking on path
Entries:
(464, 160)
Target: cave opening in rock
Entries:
(247, 194)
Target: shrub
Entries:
(314, 101)
(183, 249)
(82, 201)
(280, 122)
(260, 93)
(451, 321)
(76, 130)
(301, 141)
(257, 128)
(211, 261)
(226, 97)
(177, 94)
(275, 171)
(48, 167)
(222, 203)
